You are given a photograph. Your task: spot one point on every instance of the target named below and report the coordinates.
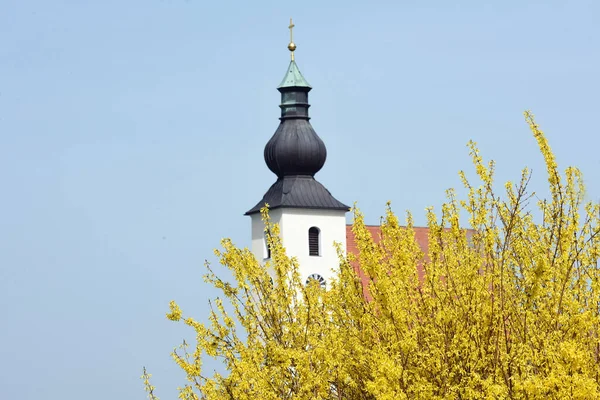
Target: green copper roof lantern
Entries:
(293, 77)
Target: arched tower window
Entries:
(313, 241)
(267, 249)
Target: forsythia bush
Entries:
(507, 309)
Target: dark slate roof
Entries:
(298, 192)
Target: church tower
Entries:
(309, 217)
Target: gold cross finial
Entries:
(292, 45)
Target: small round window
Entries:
(316, 278)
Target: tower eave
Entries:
(259, 206)
(298, 192)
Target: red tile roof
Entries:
(421, 236)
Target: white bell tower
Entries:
(309, 217)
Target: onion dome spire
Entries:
(295, 153)
(295, 148)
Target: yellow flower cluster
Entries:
(507, 309)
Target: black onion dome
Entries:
(295, 149)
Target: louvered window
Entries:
(313, 241)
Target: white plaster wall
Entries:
(294, 224)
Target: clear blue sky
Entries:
(132, 131)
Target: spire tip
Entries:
(292, 45)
